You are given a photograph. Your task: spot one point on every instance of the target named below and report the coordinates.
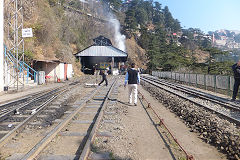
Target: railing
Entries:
(22, 66)
(206, 81)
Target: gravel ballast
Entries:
(212, 128)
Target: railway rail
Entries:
(15, 116)
(79, 128)
(160, 123)
(16, 104)
(219, 105)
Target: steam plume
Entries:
(118, 37)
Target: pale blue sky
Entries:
(208, 15)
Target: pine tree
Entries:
(130, 19)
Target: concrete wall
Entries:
(50, 70)
(60, 71)
(70, 71)
(61, 76)
(57, 71)
(1, 46)
(8, 77)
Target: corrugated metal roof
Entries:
(106, 51)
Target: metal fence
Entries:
(207, 81)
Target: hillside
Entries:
(153, 38)
(136, 53)
(60, 31)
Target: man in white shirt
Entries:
(133, 79)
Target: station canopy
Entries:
(102, 47)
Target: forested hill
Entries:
(154, 38)
(168, 46)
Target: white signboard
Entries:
(27, 32)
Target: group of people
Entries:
(132, 78)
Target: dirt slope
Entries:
(136, 53)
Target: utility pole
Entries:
(1, 45)
(14, 26)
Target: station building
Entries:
(101, 55)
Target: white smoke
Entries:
(118, 37)
(104, 10)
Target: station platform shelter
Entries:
(101, 55)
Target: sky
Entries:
(207, 15)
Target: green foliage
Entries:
(131, 22)
(213, 52)
(194, 38)
(205, 43)
(163, 55)
(220, 68)
(168, 19)
(37, 30)
(182, 158)
(158, 17)
(76, 4)
(141, 16)
(145, 38)
(213, 66)
(52, 2)
(36, 27)
(175, 58)
(144, 12)
(116, 4)
(28, 56)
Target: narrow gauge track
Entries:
(14, 106)
(15, 117)
(76, 130)
(219, 105)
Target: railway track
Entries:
(15, 117)
(76, 129)
(219, 105)
(14, 106)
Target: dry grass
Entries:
(136, 53)
(58, 34)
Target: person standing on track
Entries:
(104, 76)
(133, 79)
(236, 71)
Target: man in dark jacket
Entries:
(236, 71)
(104, 76)
(133, 79)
